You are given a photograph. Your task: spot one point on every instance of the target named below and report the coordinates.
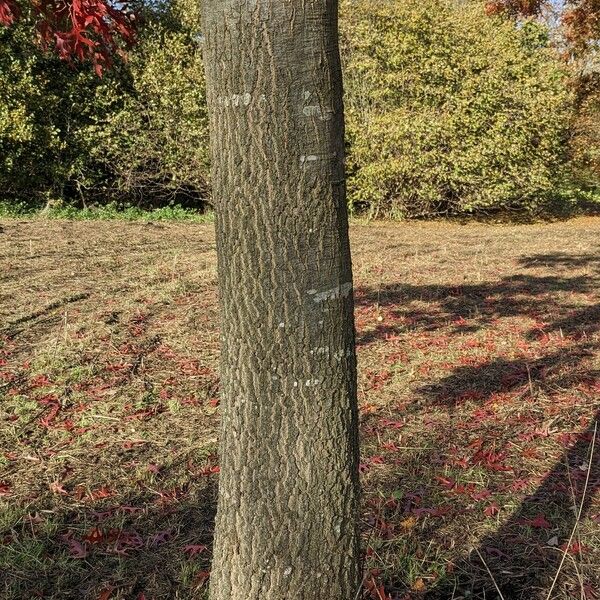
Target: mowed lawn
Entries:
(479, 383)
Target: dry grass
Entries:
(479, 390)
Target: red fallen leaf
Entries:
(132, 510)
(214, 402)
(518, 485)
(95, 536)
(491, 510)
(446, 482)
(202, 577)
(463, 463)
(153, 468)
(106, 594)
(48, 399)
(575, 548)
(76, 549)
(392, 424)
(141, 596)
(102, 492)
(193, 549)
(391, 446)
(58, 488)
(4, 488)
(129, 444)
(159, 538)
(376, 590)
(39, 381)
(210, 470)
(539, 522)
(144, 414)
(50, 416)
(126, 541)
(590, 592)
(530, 453)
(482, 495)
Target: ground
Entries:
(479, 395)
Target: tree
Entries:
(286, 522)
(288, 500)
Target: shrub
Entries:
(156, 143)
(449, 111)
(585, 134)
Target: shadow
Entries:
(543, 525)
(468, 308)
(559, 369)
(487, 407)
(149, 547)
(561, 260)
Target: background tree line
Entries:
(451, 109)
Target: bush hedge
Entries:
(449, 111)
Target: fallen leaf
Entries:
(193, 549)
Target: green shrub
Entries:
(585, 133)
(156, 143)
(43, 103)
(449, 111)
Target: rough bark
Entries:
(286, 522)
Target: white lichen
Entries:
(340, 291)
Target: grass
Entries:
(479, 391)
(109, 212)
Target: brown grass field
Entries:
(479, 392)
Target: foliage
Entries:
(137, 136)
(43, 106)
(156, 143)
(83, 29)
(449, 110)
(585, 140)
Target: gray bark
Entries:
(287, 515)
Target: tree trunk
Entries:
(286, 523)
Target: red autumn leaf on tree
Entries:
(94, 30)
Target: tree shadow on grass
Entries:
(547, 385)
(146, 548)
(524, 555)
(560, 370)
(469, 308)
